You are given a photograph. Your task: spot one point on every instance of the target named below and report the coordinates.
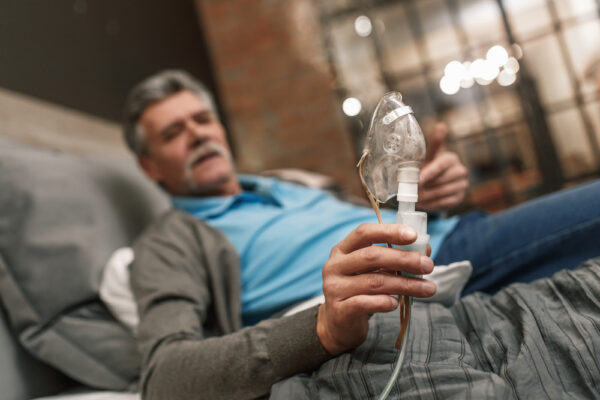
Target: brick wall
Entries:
(276, 88)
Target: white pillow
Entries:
(115, 290)
(450, 280)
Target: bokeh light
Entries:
(455, 70)
(476, 69)
(483, 81)
(351, 106)
(512, 65)
(497, 65)
(490, 71)
(467, 82)
(363, 26)
(497, 55)
(449, 86)
(506, 78)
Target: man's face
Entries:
(187, 152)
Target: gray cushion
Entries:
(61, 216)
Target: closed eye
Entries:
(172, 131)
(203, 117)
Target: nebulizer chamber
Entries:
(394, 149)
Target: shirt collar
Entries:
(252, 186)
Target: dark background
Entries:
(87, 54)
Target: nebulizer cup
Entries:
(389, 168)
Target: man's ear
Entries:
(150, 169)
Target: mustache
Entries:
(205, 149)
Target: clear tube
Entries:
(397, 367)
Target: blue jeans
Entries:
(529, 241)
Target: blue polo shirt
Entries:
(283, 234)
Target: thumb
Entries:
(436, 139)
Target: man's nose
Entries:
(197, 133)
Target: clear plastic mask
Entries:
(394, 139)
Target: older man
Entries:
(238, 249)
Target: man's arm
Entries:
(185, 278)
(186, 284)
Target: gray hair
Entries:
(152, 89)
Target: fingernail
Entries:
(394, 302)
(408, 233)
(429, 288)
(426, 264)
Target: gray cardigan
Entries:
(186, 280)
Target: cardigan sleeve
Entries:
(185, 278)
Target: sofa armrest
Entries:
(21, 375)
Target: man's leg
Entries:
(528, 341)
(527, 242)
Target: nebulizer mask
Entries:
(389, 167)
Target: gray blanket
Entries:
(534, 341)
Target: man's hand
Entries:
(359, 278)
(444, 179)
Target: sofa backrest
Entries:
(21, 375)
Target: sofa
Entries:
(61, 217)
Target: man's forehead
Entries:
(176, 106)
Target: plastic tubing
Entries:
(398, 367)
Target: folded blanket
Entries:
(538, 340)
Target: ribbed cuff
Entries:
(294, 345)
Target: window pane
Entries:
(464, 121)
(502, 108)
(570, 140)
(521, 167)
(482, 21)
(479, 159)
(523, 138)
(333, 6)
(583, 42)
(575, 8)
(415, 94)
(527, 17)
(547, 66)
(398, 47)
(356, 62)
(439, 33)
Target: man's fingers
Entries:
(372, 233)
(379, 257)
(444, 190)
(452, 173)
(437, 167)
(367, 305)
(377, 283)
(436, 139)
(443, 203)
